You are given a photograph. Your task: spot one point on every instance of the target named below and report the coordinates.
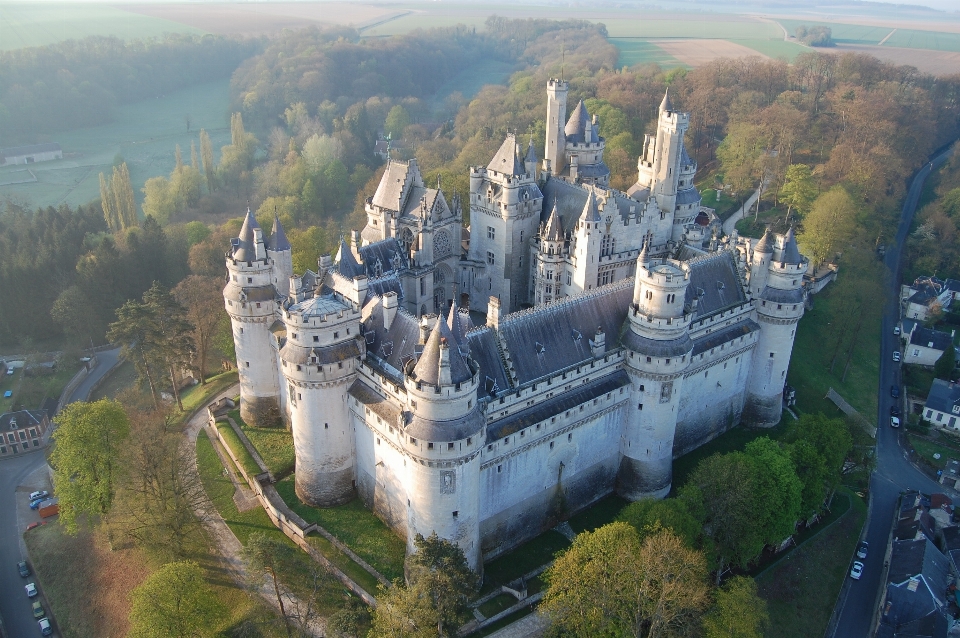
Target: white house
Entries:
(927, 294)
(943, 404)
(926, 346)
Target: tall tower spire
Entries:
(556, 139)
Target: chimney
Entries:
(598, 345)
(389, 309)
(424, 329)
(443, 377)
(493, 313)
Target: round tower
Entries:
(251, 302)
(760, 263)
(658, 352)
(443, 439)
(779, 305)
(547, 280)
(319, 362)
(281, 253)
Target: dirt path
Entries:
(731, 223)
(226, 542)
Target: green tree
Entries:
(799, 189)
(124, 202)
(196, 232)
(73, 312)
(610, 583)
(440, 568)
(196, 295)
(648, 515)
(812, 472)
(944, 368)
(206, 160)
(397, 119)
(160, 199)
(89, 438)
(779, 491)
(270, 554)
(829, 226)
(174, 345)
(175, 602)
(106, 202)
(738, 612)
(403, 612)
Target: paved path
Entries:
(858, 601)
(106, 362)
(223, 537)
(530, 626)
(731, 223)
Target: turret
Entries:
(530, 161)
(548, 278)
(319, 358)
(280, 251)
(779, 306)
(250, 297)
(659, 349)
(587, 238)
(444, 436)
(556, 141)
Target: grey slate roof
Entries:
(278, 239)
(243, 248)
(688, 196)
(531, 153)
(347, 264)
(385, 284)
(558, 405)
(506, 160)
(570, 199)
(765, 245)
(427, 369)
(782, 296)
(657, 347)
(387, 252)
(393, 191)
(665, 105)
(943, 396)
(913, 557)
(486, 354)
(715, 281)
(685, 159)
(575, 124)
(553, 231)
(394, 347)
(930, 339)
(791, 252)
(460, 324)
(591, 170)
(720, 337)
(915, 608)
(548, 338)
(590, 212)
(24, 419)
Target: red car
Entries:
(37, 524)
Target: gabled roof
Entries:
(388, 253)
(553, 231)
(243, 246)
(24, 419)
(392, 348)
(441, 343)
(930, 338)
(590, 211)
(460, 324)
(347, 264)
(531, 153)
(506, 160)
(943, 397)
(714, 282)
(394, 190)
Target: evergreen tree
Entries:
(206, 158)
(945, 365)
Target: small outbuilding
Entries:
(30, 154)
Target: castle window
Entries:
(246, 364)
(499, 469)
(326, 426)
(506, 439)
(413, 404)
(316, 337)
(489, 448)
(340, 364)
(294, 335)
(668, 361)
(568, 277)
(429, 446)
(413, 440)
(258, 304)
(649, 294)
(521, 432)
(551, 445)
(336, 335)
(469, 440)
(249, 280)
(241, 330)
(378, 441)
(456, 513)
(779, 306)
(570, 437)
(491, 232)
(449, 446)
(491, 258)
(639, 406)
(771, 355)
(649, 359)
(299, 398)
(299, 368)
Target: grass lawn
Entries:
(724, 205)
(926, 449)
(144, 133)
(814, 347)
(692, 25)
(848, 33)
(599, 514)
(750, 227)
(496, 604)
(35, 24)
(493, 628)
(801, 589)
(275, 445)
(514, 564)
(639, 51)
(30, 392)
(122, 377)
(220, 490)
(356, 527)
(774, 48)
(239, 450)
(916, 39)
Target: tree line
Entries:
(79, 83)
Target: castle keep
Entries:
(620, 333)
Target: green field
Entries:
(40, 23)
(774, 48)
(144, 134)
(914, 39)
(848, 33)
(639, 51)
(715, 27)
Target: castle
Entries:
(620, 333)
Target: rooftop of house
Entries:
(944, 396)
(22, 419)
(930, 338)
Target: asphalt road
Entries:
(858, 601)
(15, 610)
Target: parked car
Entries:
(35, 503)
(894, 410)
(862, 549)
(35, 525)
(23, 568)
(31, 590)
(895, 391)
(38, 611)
(857, 570)
(39, 494)
(45, 628)
(896, 330)
(894, 422)
(896, 356)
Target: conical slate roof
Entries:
(766, 243)
(644, 257)
(278, 238)
(347, 264)
(458, 327)
(665, 105)
(427, 369)
(590, 211)
(531, 153)
(506, 160)
(553, 231)
(791, 252)
(243, 247)
(574, 130)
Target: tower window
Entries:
(491, 232)
(326, 426)
(336, 335)
(246, 364)
(499, 469)
(413, 440)
(491, 258)
(258, 304)
(551, 445)
(249, 280)
(641, 387)
(429, 446)
(316, 337)
(449, 446)
(570, 436)
(771, 355)
(639, 406)
(456, 513)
